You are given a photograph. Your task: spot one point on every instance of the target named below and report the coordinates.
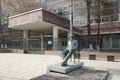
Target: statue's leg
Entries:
(64, 53)
(64, 63)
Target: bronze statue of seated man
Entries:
(67, 53)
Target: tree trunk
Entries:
(99, 21)
(88, 23)
(88, 18)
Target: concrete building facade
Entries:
(52, 24)
(109, 30)
(46, 23)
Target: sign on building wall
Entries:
(49, 42)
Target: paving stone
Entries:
(33, 65)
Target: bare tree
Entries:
(13, 7)
(0, 12)
(97, 15)
(102, 8)
(88, 5)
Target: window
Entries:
(115, 42)
(48, 0)
(107, 42)
(49, 8)
(55, 10)
(110, 8)
(77, 5)
(111, 42)
(97, 20)
(113, 0)
(59, 9)
(91, 20)
(77, 23)
(105, 19)
(114, 18)
(65, 8)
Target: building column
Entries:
(42, 42)
(55, 38)
(25, 40)
(119, 17)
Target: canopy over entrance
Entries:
(41, 20)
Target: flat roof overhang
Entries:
(41, 20)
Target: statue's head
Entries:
(71, 36)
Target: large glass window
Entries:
(114, 18)
(111, 42)
(115, 42)
(34, 44)
(105, 19)
(107, 42)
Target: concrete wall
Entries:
(11, 51)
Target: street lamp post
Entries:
(0, 12)
(71, 18)
(1, 45)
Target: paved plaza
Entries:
(27, 66)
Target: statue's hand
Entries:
(70, 50)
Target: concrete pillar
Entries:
(119, 17)
(60, 46)
(55, 38)
(42, 42)
(111, 42)
(25, 41)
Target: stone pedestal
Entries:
(78, 74)
(57, 68)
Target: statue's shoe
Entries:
(63, 64)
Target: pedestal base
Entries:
(78, 74)
(60, 69)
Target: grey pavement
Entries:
(26, 66)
